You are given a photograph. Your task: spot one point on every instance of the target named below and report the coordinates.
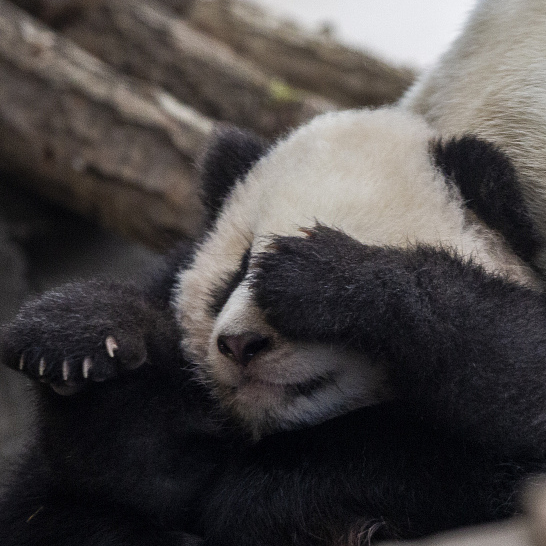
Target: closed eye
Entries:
(221, 293)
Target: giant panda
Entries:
(354, 351)
(136, 445)
(458, 164)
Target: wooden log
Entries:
(306, 60)
(58, 13)
(102, 144)
(513, 532)
(55, 12)
(114, 148)
(147, 40)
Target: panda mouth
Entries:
(293, 390)
(307, 388)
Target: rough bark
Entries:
(515, 532)
(102, 144)
(58, 13)
(147, 40)
(307, 60)
(121, 150)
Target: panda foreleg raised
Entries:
(122, 461)
(88, 332)
(465, 349)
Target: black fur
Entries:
(377, 472)
(230, 156)
(489, 184)
(123, 462)
(146, 457)
(466, 350)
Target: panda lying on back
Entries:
(410, 307)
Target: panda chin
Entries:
(264, 404)
(302, 388)
(265, 393)
(268, 408)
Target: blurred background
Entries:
(106, 105)
(412, 32)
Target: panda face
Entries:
(369, 173)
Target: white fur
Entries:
(370, 174)
(492, 83)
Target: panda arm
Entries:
(115, 451)
(92, 331)
(35, 510)
(464, 349)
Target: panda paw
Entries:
(301, 282)
(67, 375)
(81, 333)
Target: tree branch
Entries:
(306, 60)
(147, 40)
(100, 143)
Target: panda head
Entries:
(374, 174)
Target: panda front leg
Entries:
(87, 332)
(119, 454)
(465, 349)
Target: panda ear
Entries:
(488, 183)
(230, 155)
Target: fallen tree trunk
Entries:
(147, 40)
(58, 13)
(514, 532)
(305, 60)
(121, 150)
(100, 143)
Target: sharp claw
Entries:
(22, 362)
(87, 365)
(42, 367)
(111, 346)
(65, 370)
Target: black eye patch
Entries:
(221, 293)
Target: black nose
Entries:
(242, 348)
